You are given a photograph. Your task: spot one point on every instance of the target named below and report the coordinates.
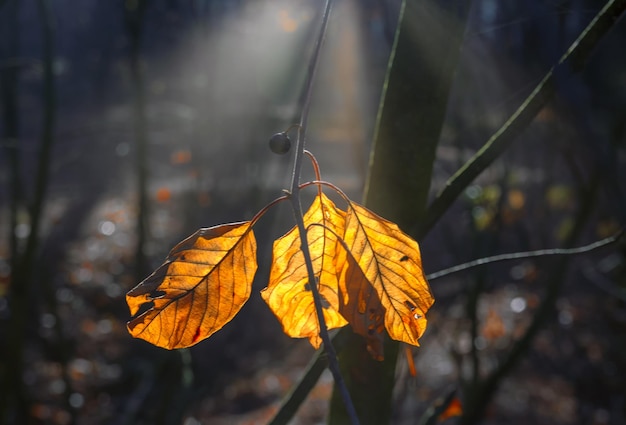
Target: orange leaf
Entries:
(391, 262)
(454, 408)
(360, 305)
(288, 293)
(202, 284)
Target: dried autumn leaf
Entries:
(360, 305)
(202, 284)
(391, 262)
(288, 293)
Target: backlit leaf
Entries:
(288, 293)
(202, 284)
(391, 262)
(360, 305)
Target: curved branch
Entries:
(318, 364)
(574, 60)
(527, 254)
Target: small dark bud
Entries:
(280, 143)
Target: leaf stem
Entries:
(321, 183)
(316, 170)
(260, 214)
(294, 197)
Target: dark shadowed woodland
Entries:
(127, 125)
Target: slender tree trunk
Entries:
(134, 20)
(10, 132)
(411, 115)
(16, 404)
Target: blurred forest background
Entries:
(126, 126)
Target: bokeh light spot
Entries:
(518, 304)
(107, 228)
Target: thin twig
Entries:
(319, 362)
(298, 214)
(527, 254)
(580, 51)
(572, 61)
(488, 386)
(316, 366)
(134, 21)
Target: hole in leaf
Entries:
(325, 303)
(156, 294)
(404, 258)
(144, 307)
(410, 305)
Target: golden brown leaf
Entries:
(202, 284)
(359, 304)
(391, 262)
(288, 293)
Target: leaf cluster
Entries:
(367, 271)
